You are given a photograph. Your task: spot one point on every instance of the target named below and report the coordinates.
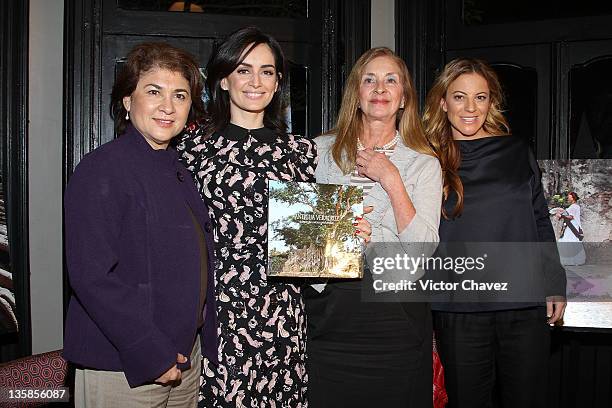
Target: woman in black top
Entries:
(495, 350)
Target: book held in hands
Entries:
(311, 232)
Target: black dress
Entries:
(262, 325)
(497, 352)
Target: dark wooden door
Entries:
(586, 99)
(115, 26)
(552, 62)
(549, 58)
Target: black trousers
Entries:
(494, 359)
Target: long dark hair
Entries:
(224, 60)
(144, 57)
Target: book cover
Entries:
(310, 230)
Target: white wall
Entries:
(383, 23)
(45, 172)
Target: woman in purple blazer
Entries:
(139, 249)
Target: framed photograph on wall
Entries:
(582, 189)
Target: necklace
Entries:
(386, 146)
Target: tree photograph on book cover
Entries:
(311, 231)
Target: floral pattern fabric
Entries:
(262, 326)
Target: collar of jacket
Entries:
(140, 144)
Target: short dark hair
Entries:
(226, 57)
(574, 195)
(144, 57)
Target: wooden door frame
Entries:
(14, 23)
(419, 40)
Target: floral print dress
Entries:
(262, 326)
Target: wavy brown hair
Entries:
(350, 117)
(438, 128)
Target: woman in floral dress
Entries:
(232, 154)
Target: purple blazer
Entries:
(133, 259)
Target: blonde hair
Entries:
(438, 128)
(349, 126)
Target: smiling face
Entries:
(159, 106)
(251, 86)
(466, 103)
(380, 90)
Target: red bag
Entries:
(440, 399)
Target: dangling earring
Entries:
(127, 115)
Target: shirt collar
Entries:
(139, 141)
(238, 133)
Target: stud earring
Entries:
(127, 115)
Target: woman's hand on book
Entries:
(363, 228)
